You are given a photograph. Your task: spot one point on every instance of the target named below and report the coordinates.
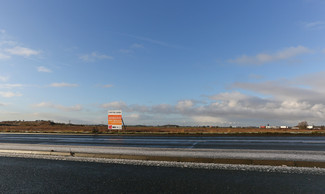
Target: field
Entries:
(51, 127)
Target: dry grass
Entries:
(188, 130)
(50, 127)
(148, 130)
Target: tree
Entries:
(303, 125)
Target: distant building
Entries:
(272, 127)
(310, 126)
(284, 127)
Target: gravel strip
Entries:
(318, 156)
(209, 166)
(292, 155)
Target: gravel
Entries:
(292, 155)
(173, 152)
(256, 168)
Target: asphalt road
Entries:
(22, 175)
(257, 143)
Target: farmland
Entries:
(52, 127)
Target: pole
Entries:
(124, 126)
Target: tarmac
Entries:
(217, 156)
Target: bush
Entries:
(303, 125)
(95, 130)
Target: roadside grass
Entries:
(51, 127)
(143, 130)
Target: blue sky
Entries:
(163, 62)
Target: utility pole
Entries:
(124, 126)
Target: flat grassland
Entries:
(51, 127)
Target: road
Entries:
(26, 175)
(256, 143)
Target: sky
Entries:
(185, 62)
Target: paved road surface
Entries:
(21, 175)
(259, 143)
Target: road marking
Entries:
(194, 144)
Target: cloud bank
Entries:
(43, 69)
(58, 106)
(276, 102)
(9, 94)
(94, 56)
(63, 84)
(263, 58)
(22, 51)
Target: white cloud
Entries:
(107, 86)
(184, 105)
(8, 43)
(316, 81)
(94, 56)
(9, 94)
(153, 41)
(230, 108)
(162, 109)
(227, 95)
(131, 48)
(43, 69)
(114, 105)
(314, 25)
(104, 86)
(22, 51)
(263, 58)
(207, 120)
(9, 86)
(4, 78)
(279, 102)
(4, 56)
(43, 104)
(10, 48)
(136, 45)
(283, 91)
(134, 116)
(138, 108)
(63, 85)
(58, 106)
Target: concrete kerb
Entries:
(246, 161)
(36, 152)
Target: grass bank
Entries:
(51, 127)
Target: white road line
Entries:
(194, 144)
